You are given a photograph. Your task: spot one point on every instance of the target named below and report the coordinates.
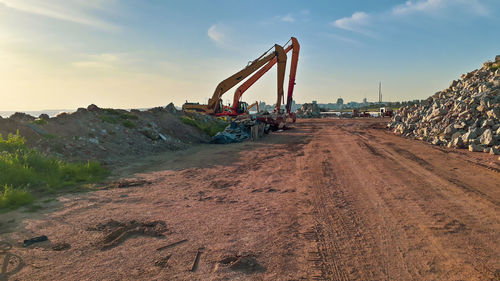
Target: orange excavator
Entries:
(215, 106)
(238, 107)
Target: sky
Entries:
(65, 54)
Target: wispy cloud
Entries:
(435, 6)
(340, 38)
(103, 61)
(75, 11)
(216, 34)
(287, 18)
(363, 22)
(358, 22)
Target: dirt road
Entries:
(329, 200)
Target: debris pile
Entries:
(308, 110)
(465, 115)
(108, 135)
(242, 128)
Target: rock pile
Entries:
(465, 115)
(308, 110)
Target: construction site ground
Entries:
(330, 199)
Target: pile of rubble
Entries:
(240, 129)
(465, 115)
(308, 110)
(108, 135)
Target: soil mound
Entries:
(108, 135)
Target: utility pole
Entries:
(380, 92)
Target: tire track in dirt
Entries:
(449, 224)
(410, 213)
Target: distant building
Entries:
(365, 101)
(340, 101)
(315, 102)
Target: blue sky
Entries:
(132, 53)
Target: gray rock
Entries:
(476, 148)
(487, 123)
(170, 108)
(487, 138)
(457, 143)
(44, 116)
(494, 113)
(93, 107)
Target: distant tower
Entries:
(380, 92)
(340, 101)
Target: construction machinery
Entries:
(214, 105)
(386, 111)
(237, 104)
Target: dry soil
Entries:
(328, 200)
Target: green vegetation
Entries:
(11, 198)
(114, 116)
(129, 124)
(26, 173)
(40, 121)
(211, 128)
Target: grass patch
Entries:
(114, 116)
(129, 124)
(40, 122)
(12, 198)
(211, 128)
(26, 172)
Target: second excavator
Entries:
(215, 106)
(263, 64)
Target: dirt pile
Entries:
(308, 110)
(465, 115)
(108, 135)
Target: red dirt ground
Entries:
(328, 200)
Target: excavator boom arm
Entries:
(248, 83)
(281, 56)
(293, 72)
(230, 82)
(295, 46)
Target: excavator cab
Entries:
(242, 107)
